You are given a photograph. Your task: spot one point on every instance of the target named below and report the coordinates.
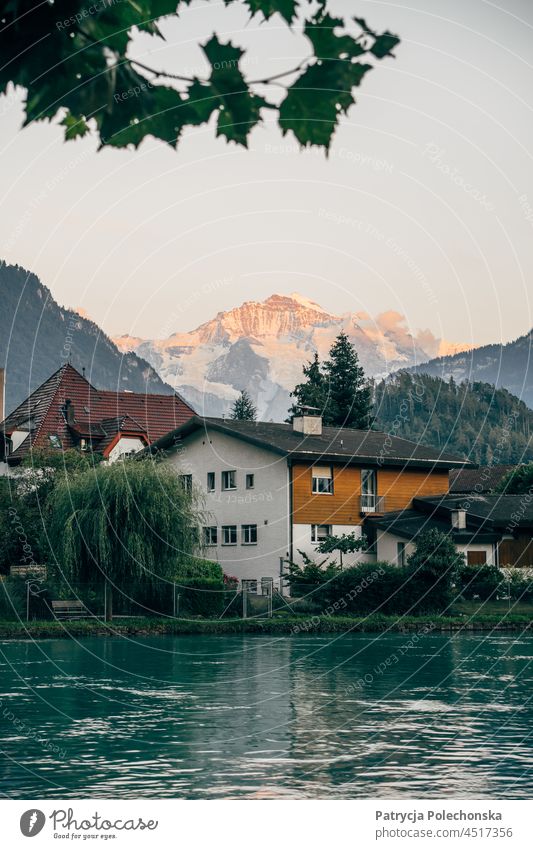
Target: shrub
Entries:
(431, 571)
(202, 597)
(519, 586)
(481, 581)
(12, 599)
(362, 589)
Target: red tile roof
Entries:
(96, 414)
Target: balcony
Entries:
(371, 504)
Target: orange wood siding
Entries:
(397, 486)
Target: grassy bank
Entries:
(468, 621)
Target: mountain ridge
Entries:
(261, 346)
(508, 365)
(37, 336)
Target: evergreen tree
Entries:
(243, 409)
(518, 481)
(349, 396)
(312, 392)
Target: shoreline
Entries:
(289, 626)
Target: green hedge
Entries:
(382, 588)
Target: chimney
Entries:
(2, 394)
(458, 517)
(308, 422)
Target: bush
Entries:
(12, 599)
(202, 597)
(519, 586)
(481, 581)
(362, 589)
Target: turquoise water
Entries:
(268, 717)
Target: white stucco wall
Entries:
(266, 505)
(387, 547)
(17, 438)
(487, 547)
(124, 446)
(302, 542)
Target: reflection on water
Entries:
(257, 717)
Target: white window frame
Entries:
(208, 535)
(369, 497)
(228, 528)
(247, 530)
(211, 488)
(322, 480)
(225, 477)
(317, 538)
(250, 481)
(401, 551)
(186, 482)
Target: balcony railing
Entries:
(372, 504)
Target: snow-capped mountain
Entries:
(261, 347)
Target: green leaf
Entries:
(75, 126)
(140, 108)
(285, 8)
(384, 45)
(320, 30)
(313, 104)
(227, 92)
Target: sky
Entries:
(424, 205)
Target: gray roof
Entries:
(410, 523)
(336, 444)
(501, 511)
(487, 517)
(477, 481)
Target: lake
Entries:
(257, 717)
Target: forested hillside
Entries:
(510, 366)
(37, 336)
(477, 421)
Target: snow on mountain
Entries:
(262, 346)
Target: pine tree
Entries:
(349, 395)
(243, 409)
(311, 392)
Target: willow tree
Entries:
(129, 525)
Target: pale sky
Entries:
(424, 206)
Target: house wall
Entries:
(266, 505)
(487, 547)
(398, 487)
(387, 547)
(124, 446)
(302, 542)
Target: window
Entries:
(368, 490)
(211, 535)
(323, 480)
(250, 481)
(83, 444)
(249, 534)
(55, 440)
(210, 481)
(229, 480)
(320, 532)
(400, 553)
(229, 534)
(476, 558)
(186, 482)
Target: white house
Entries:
(272, 490)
